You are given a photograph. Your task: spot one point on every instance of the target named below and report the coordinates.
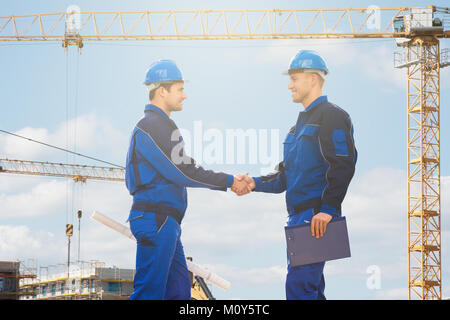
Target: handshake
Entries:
(242, 184)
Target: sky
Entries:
(90, 103)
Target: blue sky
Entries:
(98, 96)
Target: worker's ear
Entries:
(165, 91)
(321, 80)
(161, 92)
(317, 80)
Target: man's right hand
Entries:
(243, 184)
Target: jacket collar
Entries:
(152, 107)
(316, 102)
(303, 114)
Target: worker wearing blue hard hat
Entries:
(318, 164)
(162, 71)
(157, 178)
(308, 61)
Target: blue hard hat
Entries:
(307, 59)
(163, 71)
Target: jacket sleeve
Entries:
(338, 149)
(272, 183)
(165, 152)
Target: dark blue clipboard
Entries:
(303, 248)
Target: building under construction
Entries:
(81, 281)
(10, 276)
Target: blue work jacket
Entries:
(157, 168)
(319, 160)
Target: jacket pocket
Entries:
(308, 130)
(340, 143)
(307, 146)
(288, 146)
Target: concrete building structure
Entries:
(81, 281)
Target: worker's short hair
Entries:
(320, 73)
(165, 85)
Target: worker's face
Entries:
(300, 85)
(175, 96)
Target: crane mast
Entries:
(423, 168)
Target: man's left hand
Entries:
(319, 224)
(241, 185)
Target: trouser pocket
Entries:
(144, 229)
(301, 217)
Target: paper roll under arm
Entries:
(192, 267)
(113, 224)
(207, 275)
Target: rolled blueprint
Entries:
(207, 275)
(192, 267)
(113, 224)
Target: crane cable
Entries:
(62, 149)
(67, 146)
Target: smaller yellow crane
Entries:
(79, 173)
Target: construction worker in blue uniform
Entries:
(318, 164)
(157, 174)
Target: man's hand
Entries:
(319, 224)
(249, 180)
(242, 184)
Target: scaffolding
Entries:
(11, 273)
(85, 280)
(81, 281)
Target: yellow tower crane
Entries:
(417, 29)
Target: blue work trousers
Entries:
(304, 282)
(161, 269)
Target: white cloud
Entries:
(39, 206)
(378, 64)
(40, 199)
(246, 277)
(13, 146)
(43, 197)
(100, 243)
(219, 222)
(376, 201)
(94, 136)
(21, 243)
(392, 294)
